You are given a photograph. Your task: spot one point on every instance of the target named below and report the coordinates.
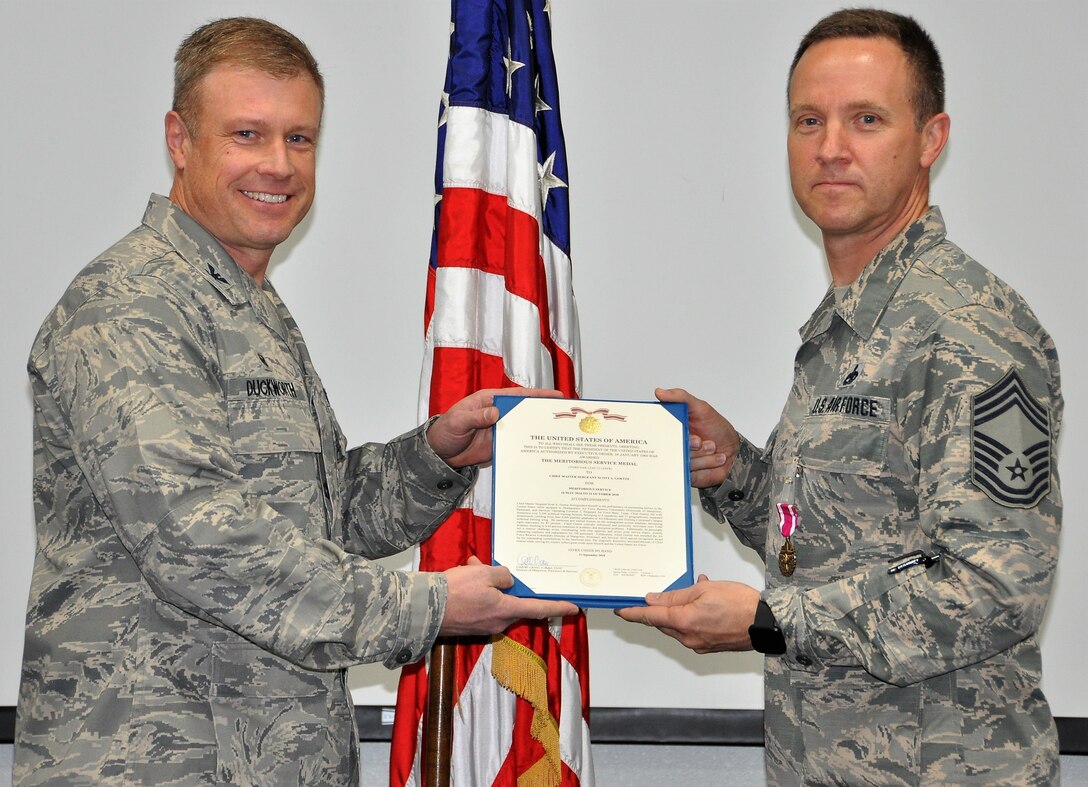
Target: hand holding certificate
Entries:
(591, 500)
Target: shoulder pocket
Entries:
(846, 434)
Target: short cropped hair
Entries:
(241, 41)
(913, 40)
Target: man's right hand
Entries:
(475, 603)
(708, 617)
(713, 440)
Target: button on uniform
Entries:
(404, 656)
(736, 495)
(444, 485)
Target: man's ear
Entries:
(178, 139)
(934, 136)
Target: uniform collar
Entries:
(869, 294)
(198, 248)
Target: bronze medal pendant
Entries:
(788, 520)
(787, 558)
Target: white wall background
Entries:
(692, 266)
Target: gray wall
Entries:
(692, 266)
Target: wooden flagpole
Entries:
(438, 717)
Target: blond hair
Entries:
(246, 42)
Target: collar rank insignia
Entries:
(219, 277)
(1010, 444)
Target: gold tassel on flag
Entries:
(520, 670)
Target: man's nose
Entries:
(833, 143)
(276, 161)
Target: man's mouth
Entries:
(263, 196)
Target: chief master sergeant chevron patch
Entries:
(1010, 444)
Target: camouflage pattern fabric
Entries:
(921, 675)
(201, 578)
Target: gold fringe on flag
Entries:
(523, 672)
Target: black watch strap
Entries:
(764, 632)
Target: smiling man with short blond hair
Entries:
(204, 569)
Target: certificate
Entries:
(590, 499)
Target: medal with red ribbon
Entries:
(788, 519)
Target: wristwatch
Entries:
(764, 632)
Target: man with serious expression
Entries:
(905, 577)
(859, 159)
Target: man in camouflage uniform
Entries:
(202, 574)
(914, 457)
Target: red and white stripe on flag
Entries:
(500, 311)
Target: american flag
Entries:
(500, 311)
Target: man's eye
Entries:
(297, 138)
(868, 119)
(809, 122)
(246, 134)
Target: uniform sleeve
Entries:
(997, 549)
(398, 493)
(136, 375)
(742, 499)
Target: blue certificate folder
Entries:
(611, 537)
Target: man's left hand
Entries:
(462, 435)
(708, 617)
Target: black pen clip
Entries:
(915, 558)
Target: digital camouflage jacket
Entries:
(923, 417)
(202, 576)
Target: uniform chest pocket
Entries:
(269, 416)
(846, 434)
